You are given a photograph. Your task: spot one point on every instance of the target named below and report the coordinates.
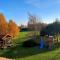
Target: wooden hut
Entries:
(5, 41)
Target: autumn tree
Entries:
(3, 25)
(13, 28)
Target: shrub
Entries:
(29, 43)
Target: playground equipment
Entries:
(48, 41)
(42, 43)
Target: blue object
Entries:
(41, 43)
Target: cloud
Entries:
(42, 3)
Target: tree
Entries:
(3, 25)
(35, 23)
(13, 28)
(53, 28)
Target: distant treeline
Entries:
(51, 29)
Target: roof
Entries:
(50, 36)
(1, 36)
(6, 36)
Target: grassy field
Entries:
(18, 52)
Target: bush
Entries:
(29, 43)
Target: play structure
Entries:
(5, 41)
(48, 42)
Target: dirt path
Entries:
(2, 58)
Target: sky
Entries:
(17, 10)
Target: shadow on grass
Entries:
(21, 52)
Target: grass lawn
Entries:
(18, 52)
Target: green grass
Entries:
(18, 52)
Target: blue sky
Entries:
(18, 10)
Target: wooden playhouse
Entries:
(5, 41)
